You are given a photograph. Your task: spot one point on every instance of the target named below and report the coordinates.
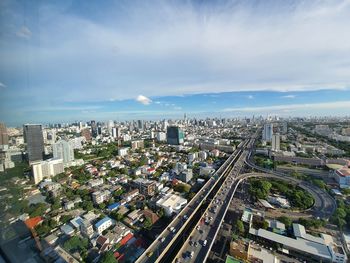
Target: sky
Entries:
(81, 60)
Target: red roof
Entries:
(116, 254)
(32, 222)
(126, 239)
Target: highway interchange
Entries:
(197, 246)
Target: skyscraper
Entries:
(4, 139)
(267, 132)
(275, 142)
(33, 137)
(140, 124)
(93, 129)
(175, 135)
(63, 150)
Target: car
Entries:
(204, 243)
(149, 254)
(171, 229)
(162, 239)
(191, 254)
(198, 227)
(196, 244)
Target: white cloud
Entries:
(291, 96)
(188, 49)
(24, 32)
(143, 100)
(2, 85)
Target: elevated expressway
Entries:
(164, 244)
(197, 246)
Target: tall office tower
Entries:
(99, 130)
(140, 124)
(93, 129)
(4, 138)
(110, 126)
(267, 132)
(63, 150)
(275, 142)
(33, 137)
(81, 125)
(86, 133)
(284, 128)
(175, 135)
(114, 132)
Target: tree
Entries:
(285, 220)
(240, 227)
(87, 205)
(108, 257)
(148, 223)
(65, 218)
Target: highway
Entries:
(197, 246)
(159, 247)
(324, 206)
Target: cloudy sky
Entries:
(81, 60)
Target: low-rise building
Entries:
(95, 182)
(130, 195)
(342, 176)
(86, 228)
(99, 197)
(103, 224)
(171, 203)
(145, 186)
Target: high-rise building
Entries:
(175, 135)
(46, 169)
(63, 150)
(110, 126)
(275, 142)
(140, 124)
(93, 129)
(33, 137)
(267, 132)
(4, 138)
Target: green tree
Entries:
(108, 257)
(285, 220)
(148, 223)
(65, 218)
(239, 227)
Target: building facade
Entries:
(33, 137)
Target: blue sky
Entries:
(82, 60)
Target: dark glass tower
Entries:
(33, 136)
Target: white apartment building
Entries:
(275, 143)
(103, 224)
(95, 182)
(123, 151)
(47, 169)
(63, 150)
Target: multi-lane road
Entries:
(324, 205)
(197, 246)
(166, 239)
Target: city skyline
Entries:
(119, 60)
